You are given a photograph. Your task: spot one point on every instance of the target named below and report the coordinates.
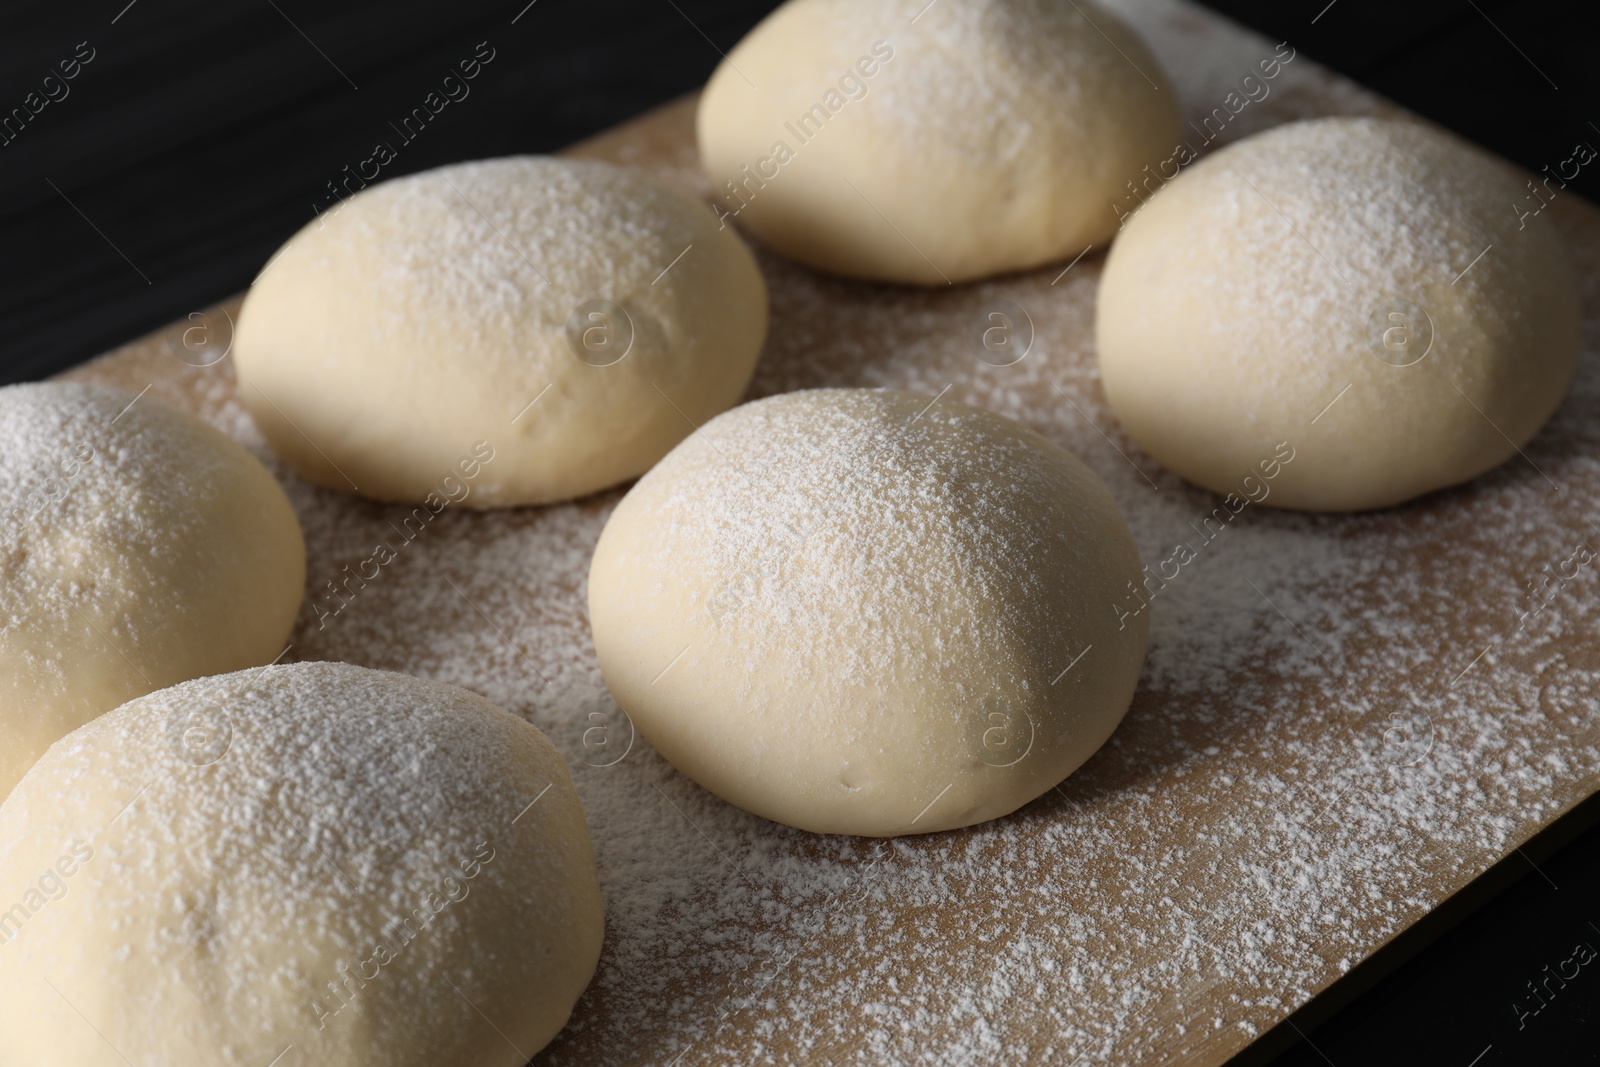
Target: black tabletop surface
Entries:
(154, 153)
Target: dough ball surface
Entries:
(866, 612)
(1363, 290)
(139, 547)
(566, 319)
(906, 142)
(315, 857)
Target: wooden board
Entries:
(1343, 720)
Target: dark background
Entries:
(201, 134)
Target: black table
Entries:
(154, 153)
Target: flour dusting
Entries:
(1341, 720)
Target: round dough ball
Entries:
(139, 547)
(569, 320)
(904, 141)
(866, 612)
(368, 868)
(1361, 293)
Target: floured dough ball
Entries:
(515, 331)
(312, 864)
(905, 141)
(1372, 296)
(139, 547)
(868, 612)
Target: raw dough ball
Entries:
(867, 612)
(905, 141)
(570, 320)
(1361, 290)
(363, 867)
(139, 547)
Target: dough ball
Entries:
(904, 141)
(369, 869)
(866, 612)
(1363, 292)
(515, 331)
(139, 547)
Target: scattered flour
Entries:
(1339, 724)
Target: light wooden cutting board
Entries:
(1343, 719)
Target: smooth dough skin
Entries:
(139, 547)
(865, 612)
(568, 318)
(367, 869)
(903, 141)
(1376, 294)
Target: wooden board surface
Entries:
(1343, 719)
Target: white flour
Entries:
(1339, 721)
